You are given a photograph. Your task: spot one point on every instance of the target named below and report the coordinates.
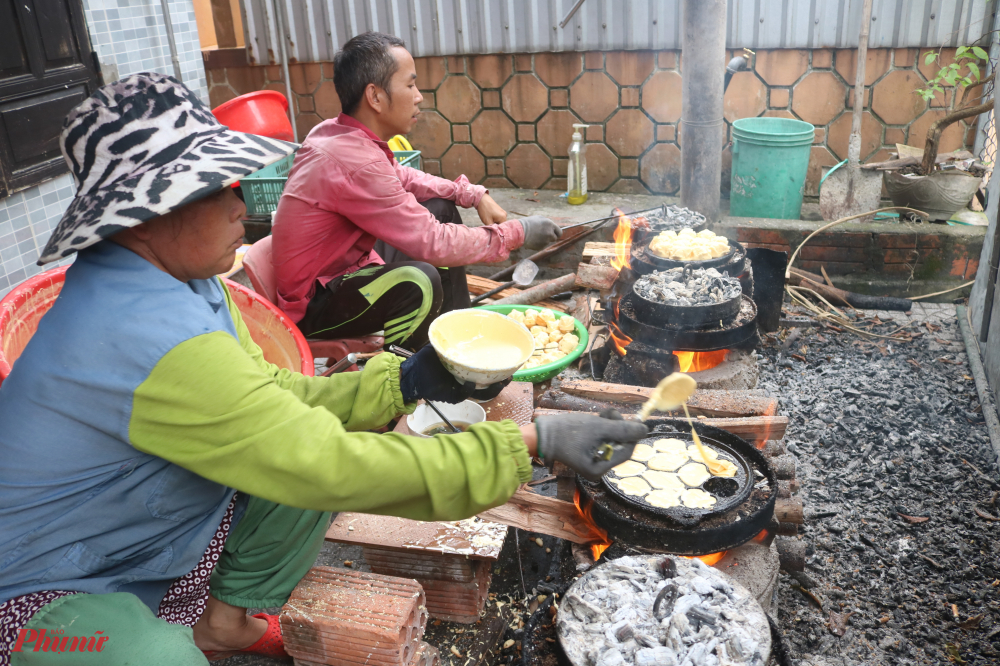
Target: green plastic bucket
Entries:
(770, 159)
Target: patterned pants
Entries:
(263, 559)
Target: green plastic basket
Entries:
(549, 370)
(262, 189)
(410, 158)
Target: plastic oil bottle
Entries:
(576, 176)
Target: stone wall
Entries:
(506, 120)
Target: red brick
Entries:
(970, 271)
(907, 256)
(841, 239)
(769, 246)
(833, 268)
(456, 587)
(753, 235)
(959, 266)
(354, 618)
(929, 240)
(896, 269)
(897, 241)
(832, 254)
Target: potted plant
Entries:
(932, 187)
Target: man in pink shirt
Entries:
(346, 192)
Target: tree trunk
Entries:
(934, 133)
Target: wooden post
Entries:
(225, 27)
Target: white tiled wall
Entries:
(131, 35)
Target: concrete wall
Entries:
(129, 34)
(505, 121)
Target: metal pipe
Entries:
(703, 51)
(994, 264)
(982, 382)
(170, 40)
(569, 15)
(737, 64)
(284, 68)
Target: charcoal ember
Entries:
(674, 218)
(657, 656)
(902, 441)
(712, 622)
(677, 286)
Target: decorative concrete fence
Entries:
(505, 120)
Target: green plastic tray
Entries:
(410, 158)
(262, 189)
(549, 370)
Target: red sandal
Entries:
(271, 644)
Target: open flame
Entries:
(620, 340)
(601, 535)
(698, 361)
(623, 243)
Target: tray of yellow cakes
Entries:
(670, 475)
(701, 249)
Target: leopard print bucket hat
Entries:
(142, 147)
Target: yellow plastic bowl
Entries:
(480, 346)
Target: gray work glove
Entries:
(575, 440)
(539, 232)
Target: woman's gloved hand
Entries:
(491, 391)
(423, 376)
(539, 232)
(575, 440)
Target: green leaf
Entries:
(960, 50)
(974, 68)
(930, 57)
(980, 53)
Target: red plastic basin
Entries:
(21, 310)
(264, 112)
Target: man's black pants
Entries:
(401, 297)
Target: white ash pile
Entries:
(676, 218)
(661, 611)
(679, 286)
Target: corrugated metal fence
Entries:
(317, 28)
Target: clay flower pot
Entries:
(940, 195)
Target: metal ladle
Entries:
(524, 273)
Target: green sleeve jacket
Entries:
(214, 406)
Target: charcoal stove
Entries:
(641, 350)
(686, 532)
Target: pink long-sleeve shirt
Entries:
(345, 191)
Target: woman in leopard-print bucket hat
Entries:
(157, 476)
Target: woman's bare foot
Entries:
(227, 628)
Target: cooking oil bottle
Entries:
(576, 176)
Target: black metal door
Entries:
(46, 68)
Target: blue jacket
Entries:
(80, 508)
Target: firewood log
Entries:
(791, 554)
(783, 466)
(839, 297)
(789, 510)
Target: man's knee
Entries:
(444, 210)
